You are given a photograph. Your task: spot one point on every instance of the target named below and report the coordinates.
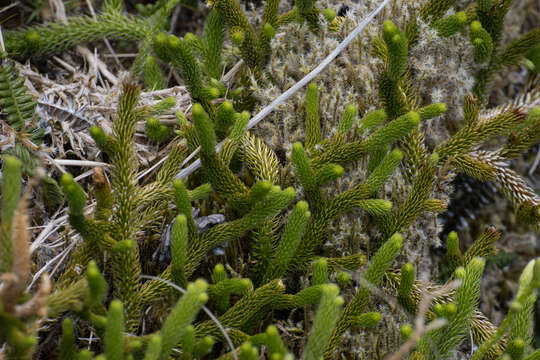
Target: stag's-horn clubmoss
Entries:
(331, 205)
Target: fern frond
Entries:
(15, 101)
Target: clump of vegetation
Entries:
(244, 268)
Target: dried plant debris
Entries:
(52, 108)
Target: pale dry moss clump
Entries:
(350, 79)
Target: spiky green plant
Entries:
(273, 239)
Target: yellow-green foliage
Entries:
(278, 209)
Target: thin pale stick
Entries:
(420, 327)
(107, 43)
(9, 7)
(71, 162)
(206, 310)
(2, 40)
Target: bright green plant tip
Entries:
(432, 111)
(86, 355)
(198, 111)
(476, 26)
(450, 309)
(74, 193)
(320, 272)
(219, 273)
(182, 315)
(67, 343)
(407, 278)
(302, 206)
(460, 272)
(534, 113)
(33, 38)
(238, 128)
(482, 42)
(438, 309)
(203, 347)
(329, 14)
(11, 163)
(205, 129)
(269, 30)
(153, 348)
(96, 283)
(188, 340)
(218, 85)
(213, 93)
(155, 130)
(161, 46)
(114, 332)
(289, 192)
(396, 155)
(536, 272)
(237, 37)
(372, 120)
(276, 348)
(397, 240)
(67, 179)
(248, 352)
(477, 263)
(369, 319)
(259, 191)
(163, 105)
(225, 119)
(389, 28)
(173, 41)
(190, 37)
(311, 88)
(227, 106)
(377, 207)
(179, 246)
(452, 243)
(327, 314)
(96, 132)
(161, 38)
(328, 173)
(153, 76)
(406, 331)
(452, 24)
(413, 117)
(290, 239)
(181, 220)
(383, 258)
(124, 246)
(344, 279)
(347, 119)
(393, 130)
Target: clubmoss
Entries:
(338, 192)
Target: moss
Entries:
(343, 184)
